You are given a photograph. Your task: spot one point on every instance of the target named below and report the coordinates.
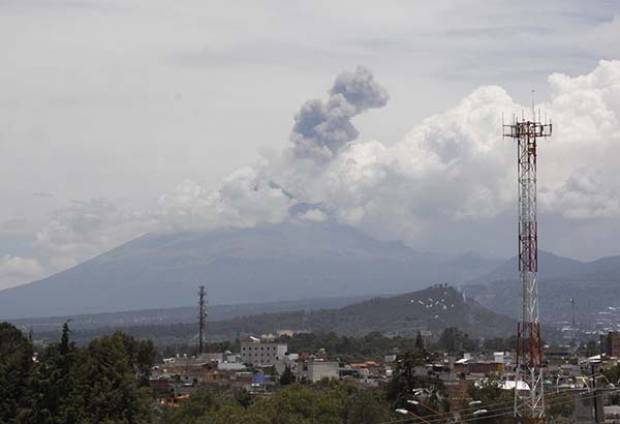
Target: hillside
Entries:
(434, 309)
(264, 264)
(595, 286)
(185, 314)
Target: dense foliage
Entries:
(325, 403)
(104, 382)
(489, 396)
(15, 368)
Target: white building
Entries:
(318, 370)
(259, 353)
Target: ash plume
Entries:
(322, 128)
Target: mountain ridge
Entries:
(595, 285)
(433, 308)
(267, 263)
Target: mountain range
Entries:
(269, 263)
(297, 261)
(594, 286)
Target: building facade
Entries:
(319, 370)
(259, 353)
(610, 344)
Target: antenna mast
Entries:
(528, 407)
(202, 319)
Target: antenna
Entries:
(529, 364)
(202, 319)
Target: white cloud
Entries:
(452, 171)
(314, 215)
(15, 270)
(583, 197)
(242, 200)
(102, 110)
(86, 229)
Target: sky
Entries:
(119, 118)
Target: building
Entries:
(610, 344)
(257, 352)
(470, 366)
(318, 370)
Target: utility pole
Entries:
(202, 319)
(528, 408)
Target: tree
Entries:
(52, 380)
(243, 397)
(330, 402)
(612, 374)
(287, 377)
(107, 389)
(590, 348)
(453, 340)
(419, 341)
(366, 406)
(64, 339)
(491, 395)
(15, 365)
(561, 406)
(497, 344)
(103, 383)
(410, 375)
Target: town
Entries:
(454, 384)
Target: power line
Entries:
(497, 411)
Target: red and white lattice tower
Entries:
(529, 404)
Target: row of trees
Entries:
(375, 345)
(325, 403)
(104, 382)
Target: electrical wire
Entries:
(497, 412)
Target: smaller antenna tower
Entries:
(202, 319)
(572, 304)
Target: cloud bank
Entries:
(452, 170)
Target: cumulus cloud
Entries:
(15, 270)
(452, 170)
(313, 215)
(243, 199)
(583, 196)
(85, 229)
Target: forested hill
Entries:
(434, 309)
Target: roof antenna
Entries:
(533, 109)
